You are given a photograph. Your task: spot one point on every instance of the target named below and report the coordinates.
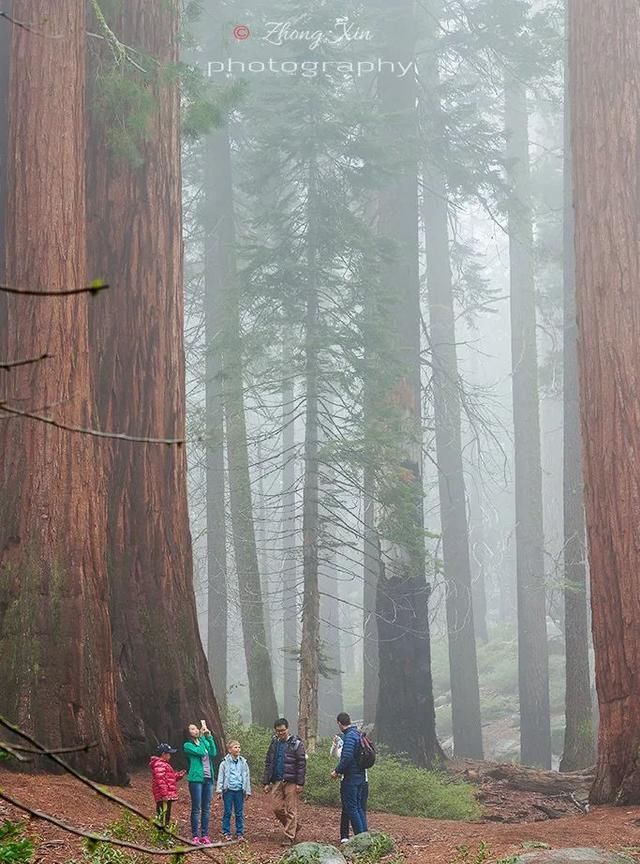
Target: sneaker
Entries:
(288, 842)
(241, 838)
(204, 841)
(195, 841)
(344, 839)
(228, 838)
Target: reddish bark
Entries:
(605, 97)
(56, 675)
(135, 242)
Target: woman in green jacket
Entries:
(200, 751)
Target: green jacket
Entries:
(195, 752)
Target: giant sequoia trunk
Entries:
(579, 750)
(533, 657)
(261, 693)
(465, 692)
(138, 370)
(405, 711)
(56, 675)
(5, 54)
(605, 99)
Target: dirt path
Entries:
(420, 840)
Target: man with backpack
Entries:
(357, 754)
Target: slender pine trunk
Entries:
(217, 606)
(533, 658)
(289, 577)
(465, 692)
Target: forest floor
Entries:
(418, 840)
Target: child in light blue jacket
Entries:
(234, 785)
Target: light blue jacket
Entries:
(228, 767)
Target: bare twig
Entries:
(13, 751)
(101, 838)
(7, 365)
(28, 27)
(94, 288)
(96, 433)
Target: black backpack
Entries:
(366, 753)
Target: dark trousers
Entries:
(201, 794)
(233, 800)
(163, 812)
(351, 796)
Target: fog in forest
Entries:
(318, 373)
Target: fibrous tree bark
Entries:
(579, 741)
(533, 657)
(371, 572)
(57, 673)
(5, 65)
(465, 692)
(604, 72)
(405, 710)
(138, 371)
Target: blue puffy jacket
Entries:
(347, 766)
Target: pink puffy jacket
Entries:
(163, 780)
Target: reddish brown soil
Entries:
(420, 840)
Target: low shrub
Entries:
(396, 786)
(15, 848)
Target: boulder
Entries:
(373, 844)
(313, 853)
(573, 855)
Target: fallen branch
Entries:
(100, 790)
(96, 433)
(101, 838)
(13, 751)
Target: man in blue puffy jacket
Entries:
(352, 774)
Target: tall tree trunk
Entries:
(579, 749)
(263, 557)
(405, 702)
(56, 675)
(477, 552)
(5, 66)
(264, 707)
(289, 577)
(310, 642)
(330, 683)
(465, 692)
(138, 367)
(371, 571)
(215, 466)
(533, 657)
(605, 106)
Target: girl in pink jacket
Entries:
(164, 782)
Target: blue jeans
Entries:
(351, 795)
(201, 794)
(233, 800)
(344, 816)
